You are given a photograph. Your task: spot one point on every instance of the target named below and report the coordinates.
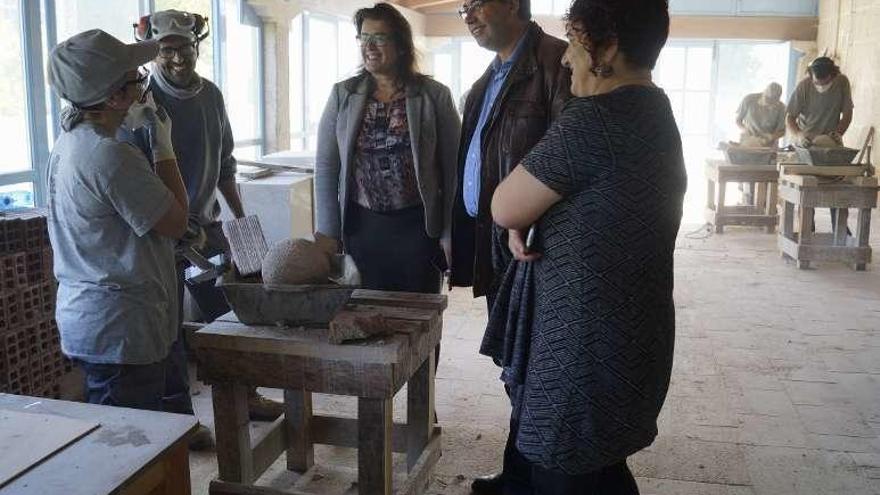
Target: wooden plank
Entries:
(266, 449)
(246, 243)
(298, 413)
(303, 342)
(400, 299)
(167, 476)
(342, 432)
(235, 460)
(823, 171)
(126, 445)
(374, 446)
(27, 439)
(419, 411)
(420, 473)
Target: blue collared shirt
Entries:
(473, 161)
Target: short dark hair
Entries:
(640, 27)
(401, 36)
(525, 10)
(823, 67)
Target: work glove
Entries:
(158, 125)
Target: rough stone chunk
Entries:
(295, 262)
(351, 325)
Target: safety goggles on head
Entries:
(378, 39)
(473, 6)
(171, 23)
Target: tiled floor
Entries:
(775, 388)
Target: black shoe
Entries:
(488, 485)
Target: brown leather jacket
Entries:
(532, 96)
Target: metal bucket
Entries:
(827, 156)
(739, 155)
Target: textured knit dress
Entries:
(600, 357)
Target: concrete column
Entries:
(276, 89)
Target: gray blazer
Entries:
(434, 128)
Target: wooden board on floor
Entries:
(27, 439)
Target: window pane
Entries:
(669, 73)
(76, 16)
(699, 68)
(13, 123)
(242, 81)
(443, 68)
(297, 84)
(322, 49)
(696, 113)
(247, 152)
(542, 7)
(474, 61)
(349, 51)
(205, 64)
(14, 196)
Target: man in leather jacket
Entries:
(508, 110)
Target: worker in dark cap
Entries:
(113, 223)
(821, 108)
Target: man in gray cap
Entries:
(113, 223)
(203, 140)
(821, 105)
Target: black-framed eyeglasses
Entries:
(467, 8)
(185, 51)
(378, 39)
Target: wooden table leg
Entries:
(841, 220)
(419, 410)
(806, 233)
(863, 233)
(760, 193)
(234, 459)
(300, 450)
(374, 446)
(719, 206)
(710, 194)
(177, 481)
(772, 204)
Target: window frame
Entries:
(38, 29)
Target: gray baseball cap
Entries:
(167, 23)
(88, 67)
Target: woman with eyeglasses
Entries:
(386, 161)
(605, 188)
(113, 223)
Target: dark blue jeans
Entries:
(125, 385)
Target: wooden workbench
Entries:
(760, 214)
(131, 452)
(233, 357)
(808, 192)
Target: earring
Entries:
(602, 70)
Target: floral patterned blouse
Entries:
(384, 177)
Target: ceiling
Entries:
(431, 6)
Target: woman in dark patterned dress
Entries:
(605, 188)
(386, 162)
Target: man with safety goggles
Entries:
(203, 138)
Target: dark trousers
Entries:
(392, 250)
(125, 385)
(212, 303)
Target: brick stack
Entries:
(31, 362)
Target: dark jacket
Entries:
(532, 96)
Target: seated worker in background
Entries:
(761, 118)
(821, 105)
(202, 137)
(113, 223)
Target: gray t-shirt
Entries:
(761, 119)
(819, 113)
(117, 293)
